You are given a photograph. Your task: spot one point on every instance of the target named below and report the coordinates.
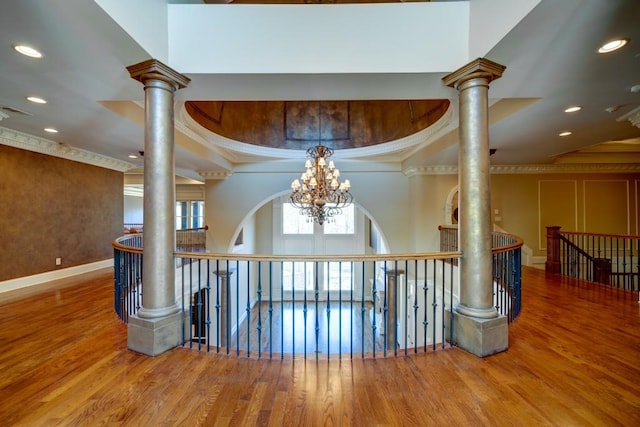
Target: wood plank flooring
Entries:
(573, 360)
(341, 333)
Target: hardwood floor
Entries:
(342, 334)
(574, 359)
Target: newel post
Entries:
(552, 265)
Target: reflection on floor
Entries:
(326, 328)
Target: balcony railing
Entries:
(506, 268)
(316, 306)
(609, 259)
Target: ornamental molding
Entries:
(24, 141)
(530, 169)
(633, 116)
(215, 175)
(431, 170)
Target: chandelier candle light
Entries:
(321, 195)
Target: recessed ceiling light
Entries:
(51, 130)
(36, 99)
(613, 45)
(133, 156)
(27, 51)
(565, 133)
(573, 109)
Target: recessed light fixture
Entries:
(133, 156)
(36, 99)
(612, 45)
(573, 109)
(27, 51)
(51, 130)
(565, 133)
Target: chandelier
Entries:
(321, 195)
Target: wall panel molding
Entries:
(571, 205)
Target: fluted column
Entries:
(476, 279)
(158, 297)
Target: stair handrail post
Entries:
(552, 265)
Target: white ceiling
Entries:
(550, 57)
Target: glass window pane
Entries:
(182, 210)
(297, 276)
(197, 214)
(293, 222)
(341, 224)
(337, 276)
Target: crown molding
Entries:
(24, 141)
(215, 175)
(431, 170)
(530, 169)
(633, 116)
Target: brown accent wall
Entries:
(55, 208)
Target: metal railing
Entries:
(329, 306)
(303, 306)
(609, 259)
(317, 306)
(127, 273)
(191, 239)
(506, 267)
(133, 227)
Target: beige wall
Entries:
(382, 195)
(599, 203)
(55, 208)
(408, 210)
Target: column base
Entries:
(154, 336)
(482, 337)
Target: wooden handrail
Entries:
(320, 258)
(584, 233)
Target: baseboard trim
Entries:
(538, 262)
(37, 279)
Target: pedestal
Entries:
(482, 337)
(154, 336)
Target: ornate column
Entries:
(156, 327)
(471, 329)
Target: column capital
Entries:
(480, 68)
(156, 70)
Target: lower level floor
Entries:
(573, 359)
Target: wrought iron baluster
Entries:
(434, 304)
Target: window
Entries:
(300, 235)
(293, 222)
(337, 276)
(297, 276)
(189, 214)
(341, 224)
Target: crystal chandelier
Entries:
(321, 195)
